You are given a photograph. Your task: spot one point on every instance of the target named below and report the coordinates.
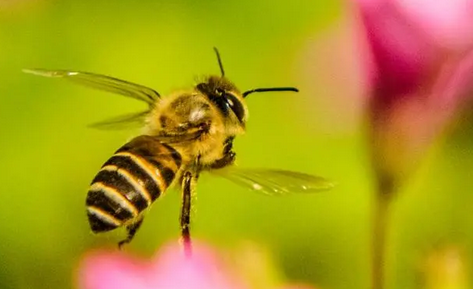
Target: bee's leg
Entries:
(226, 160)
(228, 155)
(131, 230)
(187, 189)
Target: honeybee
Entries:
(184, 134)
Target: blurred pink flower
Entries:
(408, 64)
(417, 70)
(170, 269)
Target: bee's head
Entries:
(224, 94)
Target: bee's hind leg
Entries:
(131, 231)
(188, 181)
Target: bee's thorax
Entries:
(190, 110)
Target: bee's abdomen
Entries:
(130, 181)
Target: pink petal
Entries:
(418, 74)
(402, 53)
(450, 22)
(169, 269)
(203, 271)
(104, 270)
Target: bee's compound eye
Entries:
(235, 104)
(230, 102)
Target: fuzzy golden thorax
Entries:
(215, 103)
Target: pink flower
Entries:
(410, 65)
(407, 64)
(169, 269)
(417, 74)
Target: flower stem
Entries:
(380, 228)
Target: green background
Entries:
(49, 156)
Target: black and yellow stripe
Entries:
(130, 181)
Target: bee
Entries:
(184, 134)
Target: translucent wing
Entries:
(126, 121)
(102, 82)
(274, 182)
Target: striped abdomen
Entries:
(129, 182)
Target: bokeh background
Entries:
(49, 156)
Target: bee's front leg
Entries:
(226, 160)
(228, 155)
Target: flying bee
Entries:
(184, 134)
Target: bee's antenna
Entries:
(219, 61)
(270, 89)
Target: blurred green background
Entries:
(49, 156)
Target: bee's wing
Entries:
(274, 182)
(102, 82)
(132, 120)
